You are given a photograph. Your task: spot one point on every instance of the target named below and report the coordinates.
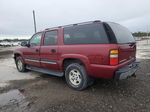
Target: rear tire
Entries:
(20, 64)
(76, 76)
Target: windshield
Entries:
(122, 34)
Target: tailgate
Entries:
(127, 52)
(125, 41)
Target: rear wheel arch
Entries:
(80, 58)
(68, 61)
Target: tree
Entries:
(140, 34)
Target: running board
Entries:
(45, 71)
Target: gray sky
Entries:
(16, 15)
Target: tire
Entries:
(20, 64)
(76, 76)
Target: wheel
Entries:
(20, 64)
(76, 76)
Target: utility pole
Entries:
(147, 34)
(34, 21)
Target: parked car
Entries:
(5, 44)
(80, 52)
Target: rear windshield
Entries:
(85, 34)
(122, 34)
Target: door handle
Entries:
(37, 50)
(53, 50)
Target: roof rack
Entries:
(74, 24)
(53, 28)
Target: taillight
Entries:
(114, 57)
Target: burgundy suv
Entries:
(80, 52)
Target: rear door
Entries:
(49, 50)
(125, 41)
(32, 53)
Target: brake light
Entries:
(114, 57)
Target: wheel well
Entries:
(16, 55)
(68, 61)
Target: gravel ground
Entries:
(44, 93)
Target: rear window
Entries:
(122, 34)
(85, 34)
(50, 38)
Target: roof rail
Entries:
(52, 28)
(74, 24)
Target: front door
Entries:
(49, 50)
(32, 53)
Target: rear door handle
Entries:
(53, 51)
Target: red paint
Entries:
(94, 56)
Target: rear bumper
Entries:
(110, 72)
(126, 71)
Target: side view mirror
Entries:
(25, 43)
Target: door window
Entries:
(36, 40)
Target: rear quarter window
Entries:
(85, 34)
(122, 34)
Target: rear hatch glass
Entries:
(125, 41)
(122, 34)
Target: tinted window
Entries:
(85, 34)
(36, 40)
(122, 34)
(50, 38)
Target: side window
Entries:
(50, 38)
(36, 39)
(85, 34)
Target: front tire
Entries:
(20, 64)
(76, 76)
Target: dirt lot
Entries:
(36, 92)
